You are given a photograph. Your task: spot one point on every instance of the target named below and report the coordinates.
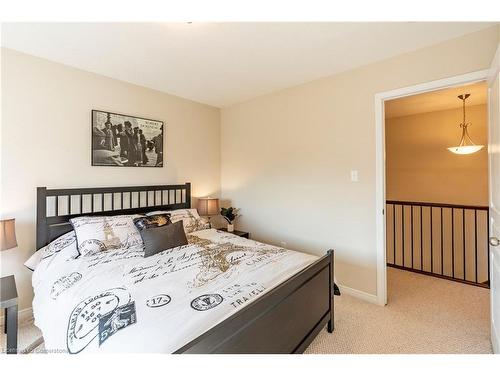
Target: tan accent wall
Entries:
(46, 140)
(419, 168)
(286, 157)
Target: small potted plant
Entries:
(229, 214)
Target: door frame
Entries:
(380, 98)
(495, 337)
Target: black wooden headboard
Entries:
(56, 206)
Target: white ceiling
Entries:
(223, 63)
(438, 100)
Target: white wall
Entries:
(46, 136)
(286, 157)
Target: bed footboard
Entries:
(284, 320)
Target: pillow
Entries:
(189, 216)
(101, 233)
(182, 211)
(159, 238)
(152, 221)
(65, 243)
(34, 260)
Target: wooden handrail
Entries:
(444, 205)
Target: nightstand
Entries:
(237, 233)
(8, 301)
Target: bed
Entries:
(265, 300)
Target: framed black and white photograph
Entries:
(126, 141)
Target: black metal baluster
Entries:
(394, 231)
(121, 200)
(432, 245)
(411, 232)
(475, 243)
(442, 243)
(91, 202)
(69, 204)
(421, 242)
(403, 232)
(463, 238)
(81, 204)
(452, 243)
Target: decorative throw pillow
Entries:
(159, 238)
(189, 216)
(101, 233)
(152, 221)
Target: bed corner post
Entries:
(41, 217)
(331, 322)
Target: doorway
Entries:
(381, 194)
(437, 191)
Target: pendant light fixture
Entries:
(466, 146)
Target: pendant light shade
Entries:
(464, 150)
(466, 146)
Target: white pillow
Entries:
(34, 260)
(65, 243)
(190, 218)
(101, 233)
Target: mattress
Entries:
(119, 301)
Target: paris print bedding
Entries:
(119, 301)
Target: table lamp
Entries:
(208, 207)
(7, 234)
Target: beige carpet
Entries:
(424, 315)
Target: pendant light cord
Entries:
(464, 125)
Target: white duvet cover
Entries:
(118, 301)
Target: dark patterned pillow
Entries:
(152, 221)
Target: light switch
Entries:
(354, 176)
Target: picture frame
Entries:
(120, 140)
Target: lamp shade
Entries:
(8, 234)
(208, 206)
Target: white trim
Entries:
(22, 316)
(494, 339)
(495, 66)
(372, 298)
(492, 78)
(439, 84)
(380, 200)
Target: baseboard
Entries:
(372, 298)
(22, 316)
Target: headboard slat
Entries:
(49, 228)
